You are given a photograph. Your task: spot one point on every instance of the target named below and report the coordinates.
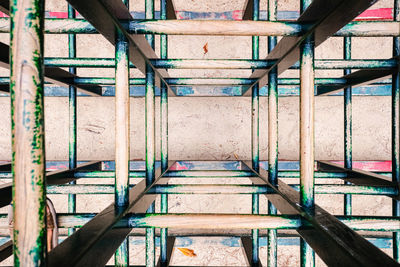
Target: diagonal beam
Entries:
(5, 6)
(359, 177)
(358, 78)
(333, 241)
(170, 250)
(6, 250)
(105, 16)
(248, 10)
(326, 18)
(96, 241)
(52, 74)
(170, 10)
(52, 178)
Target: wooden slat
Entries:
(52, 74)
(52, 178)
(248, 10)
(247, 251)
(105, 16)
(358, 78)
(6, 250)
(359, 177)
(325, 19)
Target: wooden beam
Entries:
(357, 78)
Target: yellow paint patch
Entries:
(187, 252)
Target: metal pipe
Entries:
(72, 116)
(27, 113)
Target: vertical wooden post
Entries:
(164, 137)
(72, 117)
(27, 113)
(122, 142)
(272, 137)
(306, 134)
(255, 145)
(150, 137)
(348, 144)
(395, 131)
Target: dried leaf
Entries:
(187, 252)
(205, 48)
(236, 156)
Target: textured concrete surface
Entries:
(214, 128)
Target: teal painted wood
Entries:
(27, 126)
(164, 137)
(255, 143)
(395, 132)
(348, 121)
(72, 117)
(150, 136)
(272, 249)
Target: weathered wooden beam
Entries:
(357, 78)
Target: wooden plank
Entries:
(333, 241)
(359, 177)
(52, 74)
(105, 16)
(248, 10)
(357, 78)
(6, 250)
(325, 19)
(170, 10)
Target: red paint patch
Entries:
(237, 14)
(178, 167)
(58, 15)
(376, 14)
(376, 166)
